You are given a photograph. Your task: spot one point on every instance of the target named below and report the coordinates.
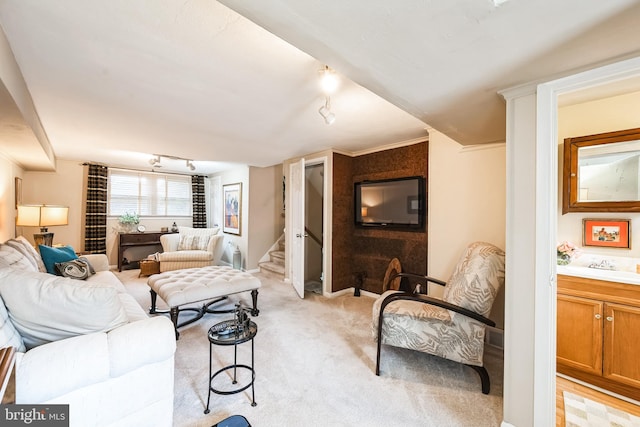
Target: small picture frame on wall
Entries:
(232, 198)
(609, 233)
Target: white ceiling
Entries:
(116, 81)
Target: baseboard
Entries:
(506, 424)
(351, 291)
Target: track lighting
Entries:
(155, 161)
(325, 112)
(329, 84)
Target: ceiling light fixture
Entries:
(329, 84)
(328, 80)
(155, 161)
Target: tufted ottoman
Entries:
(211, 284)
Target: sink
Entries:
(592, 273)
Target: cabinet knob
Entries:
(598, 316)
(610, 318)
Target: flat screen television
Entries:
(391, 203)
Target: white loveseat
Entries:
(111, 363)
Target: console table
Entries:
(151, 240)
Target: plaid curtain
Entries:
(95, 234)
(199, 202)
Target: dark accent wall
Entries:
(357, 250)
(343, 223)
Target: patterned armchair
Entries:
(453, 327)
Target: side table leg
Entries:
(235, 363)
(206, 411)
(253, 373)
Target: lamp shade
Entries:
(42, 215)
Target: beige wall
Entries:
(62, 187)
(266, 223)
(467, 203)
(8, 172)
(588, 118)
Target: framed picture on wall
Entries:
(232, 197)
(610, 233)
(18, 191)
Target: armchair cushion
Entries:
(476, 279)
(64, 307)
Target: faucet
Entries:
(604, 264)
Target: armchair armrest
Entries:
(404, 283)
(432, 301)
(170, 242)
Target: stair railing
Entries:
(313, 236)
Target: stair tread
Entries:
(273, 267)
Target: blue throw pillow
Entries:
(50, 256)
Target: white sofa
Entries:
(190, 248)
(113, 376)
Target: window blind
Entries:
(149, 194)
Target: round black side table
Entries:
(233, 338)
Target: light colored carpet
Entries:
(582, 412)
(315, 364)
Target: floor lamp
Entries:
(42, 216)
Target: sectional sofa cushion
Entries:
(45, 308)
(50, 256)
(9, 336)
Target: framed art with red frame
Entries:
(609, 233)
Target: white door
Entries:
(297, 177)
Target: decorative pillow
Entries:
(75, 269)
(11, 257)
(34, 254)
(192, 242)
(199, 231)
(45, 308)
(52, 255)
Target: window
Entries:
(149, 194)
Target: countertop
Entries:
(629, 277)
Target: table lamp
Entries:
(42, 216)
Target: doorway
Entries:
(314, 219)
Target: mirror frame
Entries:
(570, 201)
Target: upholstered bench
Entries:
(209, 284)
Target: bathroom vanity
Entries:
(598, 328)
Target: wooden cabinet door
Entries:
(579, 334)
(622, 344)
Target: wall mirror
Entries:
(601, 172)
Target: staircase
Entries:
(275, 266)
